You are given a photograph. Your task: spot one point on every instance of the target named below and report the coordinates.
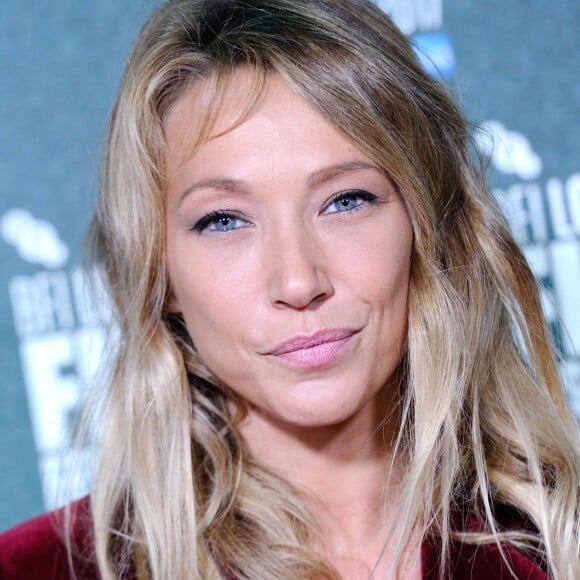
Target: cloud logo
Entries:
(35, 241)
(510, 151)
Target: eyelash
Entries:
(211, 218)
(362, 194)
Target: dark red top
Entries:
(35, 550)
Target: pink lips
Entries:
(316, 350)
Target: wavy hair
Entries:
(484, 420)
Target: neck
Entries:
(346, 473)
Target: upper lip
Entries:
(312, 340)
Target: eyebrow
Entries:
(224, 184)
(329, 173)
(317, 178)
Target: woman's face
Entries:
(288, 253)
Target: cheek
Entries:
(218, 322)
(380, 270)
(216, 329)
(215, 315)
(378, 264)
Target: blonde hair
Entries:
(484, 419)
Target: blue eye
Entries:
(349, 201)
(218, 221)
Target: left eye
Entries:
(225, 223)
(349, 200)
(219, 221)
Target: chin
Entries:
(325, 407)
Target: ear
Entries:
(172, 304)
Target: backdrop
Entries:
(514, 67)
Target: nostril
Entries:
(302, 292)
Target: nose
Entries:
(298, 273)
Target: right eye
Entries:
(219, 221)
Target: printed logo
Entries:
(60, 339)
(510, 151)
(36, 241)
(544, 217)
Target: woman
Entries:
(332, 359)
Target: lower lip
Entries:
(316, 356)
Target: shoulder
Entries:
(480, 562)
(37, 549)
(484, 561)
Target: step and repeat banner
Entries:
(514, 67)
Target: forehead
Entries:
(209, 108)
(272, 127)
